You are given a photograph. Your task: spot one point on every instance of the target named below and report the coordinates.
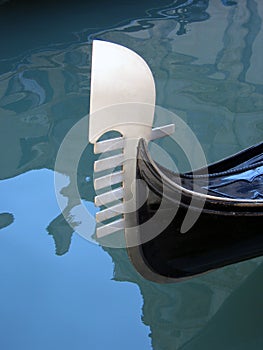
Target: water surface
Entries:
(58, 290)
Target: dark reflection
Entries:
(6, 219)
(62, 233)
(238, 323)
(28, 24)
(183, 12)
(228, 2)
(202, 311)
(187, 12)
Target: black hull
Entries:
(228, 229)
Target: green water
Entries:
(59, 291)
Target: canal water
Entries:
(58, 290)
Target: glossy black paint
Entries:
(228, 230)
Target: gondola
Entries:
(229, 228)
(176, 225)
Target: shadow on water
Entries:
(6, 219)
(222, 309)
(238, 323)
(216, 89)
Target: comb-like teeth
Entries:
(108, 180)
(108, 197)
(109, 145)
(108, 163)
(115, 178)
(110, 212)
(162, 131)
(108, 229)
